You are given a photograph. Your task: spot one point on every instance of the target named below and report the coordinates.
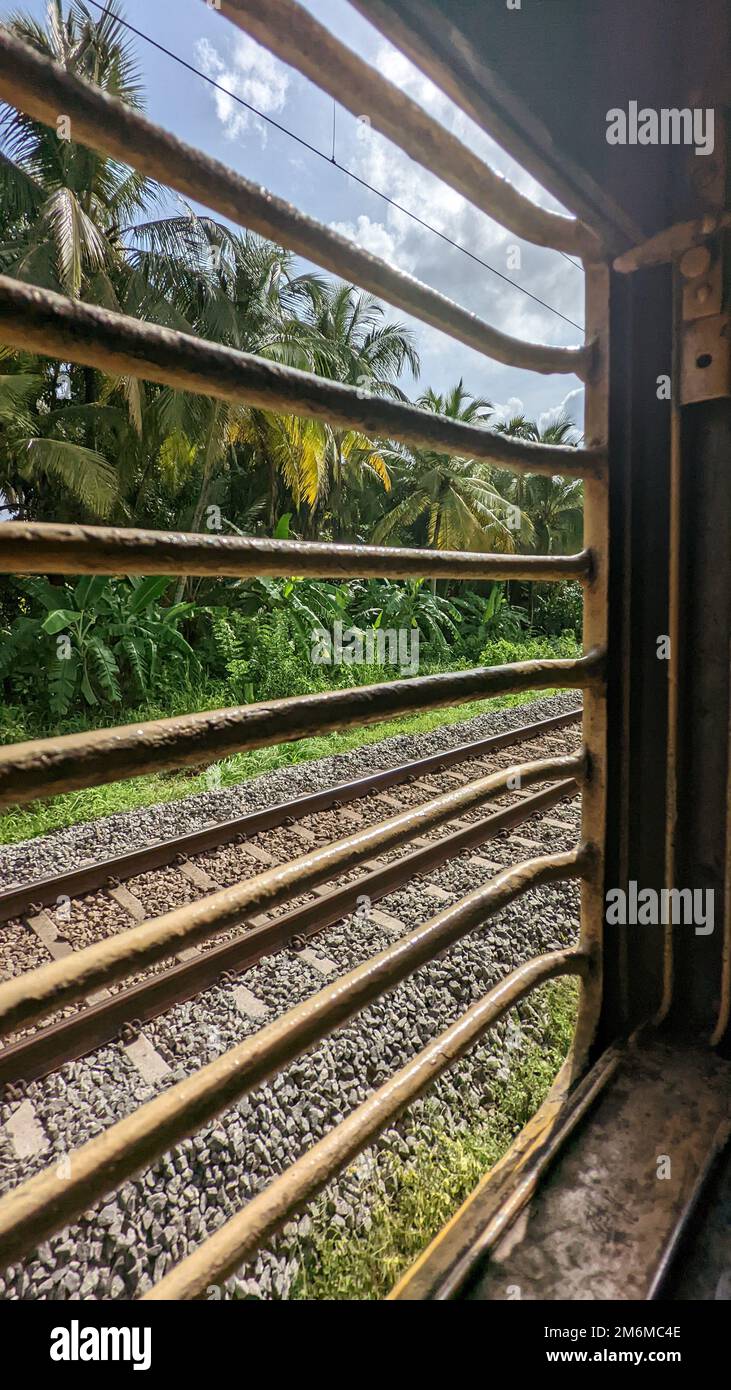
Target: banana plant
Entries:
(99, 641)
(382, 603)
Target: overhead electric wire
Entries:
(333, 162)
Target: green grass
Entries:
(73, 808)
(425, 1191)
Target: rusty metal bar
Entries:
(674, 623)
(50, 1047)
(42, 547)
(296, 37)
(671, 242)
(16, 900)
(37, 993)
(243, 1234)
(596, 620)
(37, 320)
(48, 1202)
(433, 39)
(45, 767)
(44, 90)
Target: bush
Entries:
(99, 642)
(501, 652)
(559, 608)
(278, 666)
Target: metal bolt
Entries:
(131, 1030)
(694, 262)
(703, 292)
(298, 943)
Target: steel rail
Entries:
(34, 319)
(72, 1037)
(242, 1235)
(44, 90)
(37, 993)
(60, 548)
(44, 767)
(299, 40)
(45, 1203)
(41, 892)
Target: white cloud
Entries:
(415, 248)
(381, 229)
(247, 71)
(397, 68)
(409, 79)
(572, 405)
(376, 238)
(508, 410)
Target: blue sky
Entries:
(188, 105)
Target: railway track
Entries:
(81, 1072)
(113, 893)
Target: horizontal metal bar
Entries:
(50, 1047)
(45, 767)
(34, 995)
(44, 90)
(33, 319)
(47, 1202)
(296, 37)
(243, 1234)
(42, 547)
(17, 899)
(671, 242)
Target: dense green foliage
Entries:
(77, 654)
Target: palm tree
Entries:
(451, 502)
(241, 291)
(36, 454)
(553, 505)
(354, 343)
(64, 224)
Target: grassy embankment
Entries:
(73, 808)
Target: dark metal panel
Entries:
(705, 603)
(641, 351)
